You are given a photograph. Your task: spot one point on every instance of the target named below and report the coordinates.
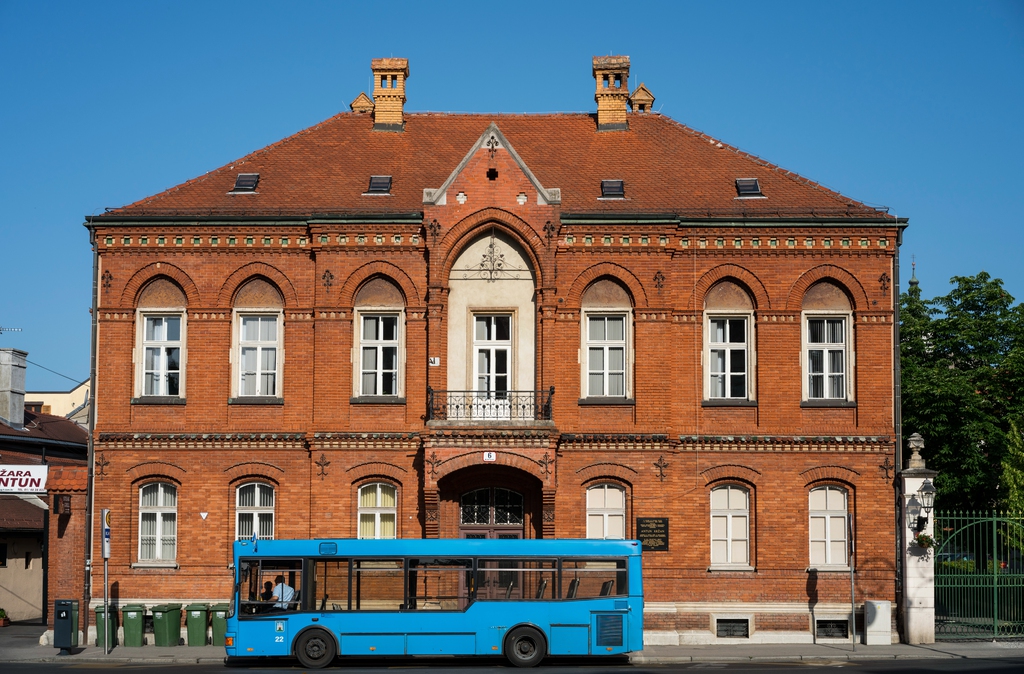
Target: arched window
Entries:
(828, 338)
(161, 343)
(378, 514)
(828, 527)
(158, 522)
(607, 329)
(730, 526)
(254, 511)
(379, 324)
(729, 344)
(259, 340)
(606, 511)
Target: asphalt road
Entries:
(474, 666)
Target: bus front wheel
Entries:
(315, 649)
(525, 647)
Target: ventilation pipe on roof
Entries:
(389, 76)
(12, 387)
(612, 75)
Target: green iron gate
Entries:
(979, 575)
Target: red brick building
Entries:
(553, 325)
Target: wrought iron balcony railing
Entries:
(489, 406)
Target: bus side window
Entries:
(439, 584)
(585, 578)
(330, 585)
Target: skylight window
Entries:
(246, 182)
(379, 185)
(748, 187)
(613, 189)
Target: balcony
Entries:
(492, 407)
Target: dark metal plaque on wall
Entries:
(652, 532)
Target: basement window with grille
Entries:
(379, 185)
(245, 183)
(832, 629)
(748, 188)
(613, 189)
(732, 628)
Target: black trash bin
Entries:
(65, 625)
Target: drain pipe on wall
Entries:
(90, 491)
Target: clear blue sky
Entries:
(913, 105)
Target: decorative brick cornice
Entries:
(201, 441)
(618, 441)
(401, 441)
(493, 439)
(852, 444)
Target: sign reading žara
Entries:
(652, 532)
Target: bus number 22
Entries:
(278, 640)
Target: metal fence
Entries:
(979, 575)
(489, 405)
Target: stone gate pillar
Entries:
(918, 562)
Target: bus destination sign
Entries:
(652, 532)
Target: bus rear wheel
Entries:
(315, 649)
(525, 647)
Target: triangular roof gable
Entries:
(493, 138)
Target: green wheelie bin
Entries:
(102, 625)
(195, 621)
(167, 624)
(133, 618)
(219, 621)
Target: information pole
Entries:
(106, 585)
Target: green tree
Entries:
(1012, 482)
(962, 358)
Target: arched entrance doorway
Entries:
(490, 502)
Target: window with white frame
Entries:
(258, 347)
(730, 526)
(727, 357)
(606, 511)
(605, 349)
(161, 344)
(828, 527)
(379, 355)
(158, 522)
(160, 341)
(378, 503)
(827, 340)
(254, 511)
(826, 358)
(728, 343)
(606, 355)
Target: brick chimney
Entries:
(612, 75)
(389, 76)
(12, 387)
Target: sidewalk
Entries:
(21, 643)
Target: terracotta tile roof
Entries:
(67, 478)
(667, 168)
(46, 427)
(16, 513)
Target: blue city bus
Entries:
(524, 599)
